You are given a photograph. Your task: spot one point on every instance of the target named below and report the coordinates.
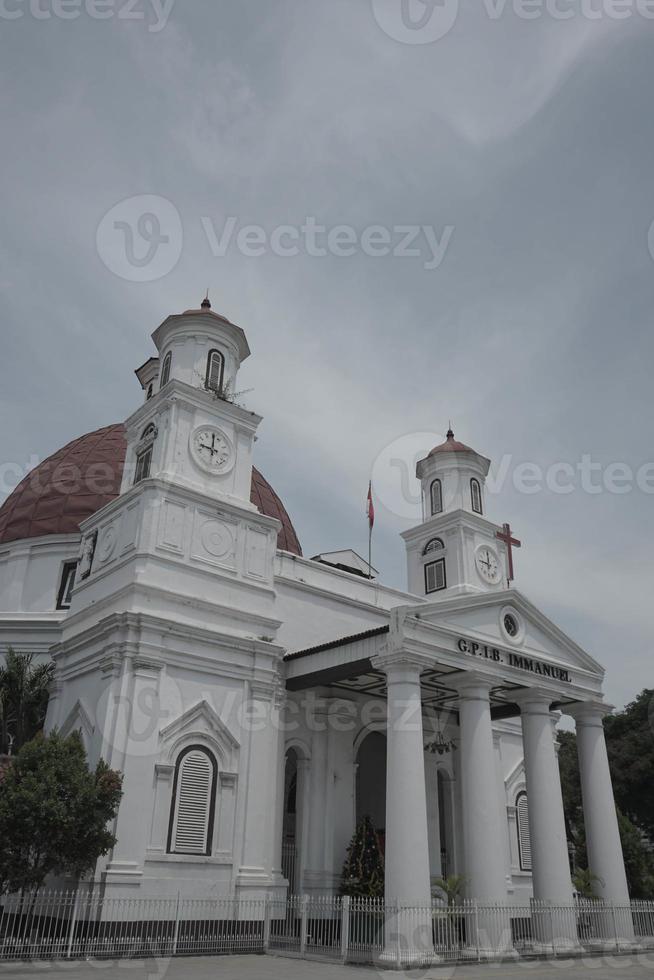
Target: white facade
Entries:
(259, 703)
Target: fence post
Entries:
(303, 924)
(551, 911)
(177, 918)
(345, 926)
(398, 945)
(615, 927)
(477, 932)
(73, 923)
(266, 924)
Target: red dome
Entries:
(451, 445)
(75, 482)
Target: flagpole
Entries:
(370, 512)
(369, 550)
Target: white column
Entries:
(600, 819)
(408, 886)
(263, 745)
(484, 859)
(407, 842)
(549, 850)
(315, 865)
(483, 855)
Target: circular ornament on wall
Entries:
(217, 539)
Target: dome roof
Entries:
(75, 482)
(452, 446)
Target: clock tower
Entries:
(455, 550)
(173, 624)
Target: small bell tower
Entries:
(455, 549)
(190, 431)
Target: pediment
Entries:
(78, 719)
(203, 721)
(480, 618)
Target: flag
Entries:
(370, 507)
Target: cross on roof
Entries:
(505, 535)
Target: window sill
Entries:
(161, 857)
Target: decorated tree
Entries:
(363, 871)
(54, 812)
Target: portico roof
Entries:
(448, 638)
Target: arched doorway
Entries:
(446, 823)
(371, 782)
(292, 831)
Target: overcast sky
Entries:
(523, 145)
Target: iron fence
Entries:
(69, 925)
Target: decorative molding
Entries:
(78, 713)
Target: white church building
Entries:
(259, 703)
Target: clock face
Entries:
(488, 564)
(211, 449)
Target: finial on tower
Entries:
(206, 303)
(450, 433)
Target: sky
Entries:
(418, 211)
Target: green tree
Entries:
(451, 888)
(584, 881)
(363, 871)
(630, 745)
(54, 812)
(23, 699)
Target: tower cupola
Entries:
(452, 477)
(201, 348)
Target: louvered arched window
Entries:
(436, 497)
(524, 838)
(165, 371)
(434, 545)
(475, 496)
(215, 369)
(193, 807)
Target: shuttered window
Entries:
(193, 803)
(436, 497)
(165, 371)
(475, 495)
(524, 838)
(215, 365)
(435, 576)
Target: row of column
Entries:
(407, 848)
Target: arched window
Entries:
(144, 453)
(165, 370)
(434, 545)
(215, 369)
(524, 838)
(436, 497)
(194, 802)
(475, 496)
